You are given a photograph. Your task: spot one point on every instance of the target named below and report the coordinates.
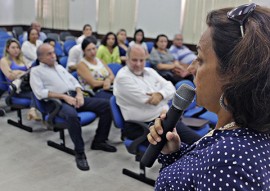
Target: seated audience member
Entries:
(231, 74)
(36, 25)
(108, 50)
(93, 74)
(87, 31)
(74, 57)
(139, 39)
(13, 67)
(163, 61)
(143, 95)
(51, 80)
(180, 52)
(29, 47)
(122, 45)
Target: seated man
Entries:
(180, 52)
(51, 80)
(143, 95)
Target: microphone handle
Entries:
(168, 124)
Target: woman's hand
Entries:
(107, 84)
(156, 130)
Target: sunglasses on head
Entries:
(240, 14)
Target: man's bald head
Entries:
(46, 55)
(136, 56)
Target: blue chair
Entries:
(115, 67)
(63, 61)
(148, 64)
(56, 123)
(133, 146)
(15, 103)
(58, 49)
(150, 46)
(68, 44)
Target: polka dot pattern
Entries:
(228, 160)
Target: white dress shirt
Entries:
(131, 94)
(55, 79)
(75, 55)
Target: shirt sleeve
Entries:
(37, 85)
(228, 177)
(167, 90)
(73, 58)
(168, 159)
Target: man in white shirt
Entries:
(87, 31)
(74, 57)
(143, 95)
(51, 80)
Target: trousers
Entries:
(69, 113)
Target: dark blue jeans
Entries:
(97, 105)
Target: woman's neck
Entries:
(224, 118)
(34, 43)
(162, 50)
(91, 60)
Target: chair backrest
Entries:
(17, 31)
(68, 44)
(116, 114)
(3, 82)
(64, 34)
(115, 67)
(63, 61)
(58, 49)
(75, 75)
(178, 84)
(149, 46)
(54, 36)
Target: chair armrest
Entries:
(12, 91)
(57, 106)
(133, 148)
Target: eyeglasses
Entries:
(240, 14)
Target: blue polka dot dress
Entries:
(228, 160)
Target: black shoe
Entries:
(103, 146)
(81, 161)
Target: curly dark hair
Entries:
(244, 65)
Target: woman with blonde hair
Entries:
(13, 67)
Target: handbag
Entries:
(22, 83)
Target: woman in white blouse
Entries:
(29, 47)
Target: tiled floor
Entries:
(28, 164)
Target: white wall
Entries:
(159, 16)
(82, 12)
(262, 2)
(17, 12)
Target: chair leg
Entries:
(141, 177)
(19, 122)
(61, 146)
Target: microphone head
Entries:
(183, 97)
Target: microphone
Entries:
(182, 99)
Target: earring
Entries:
(222, 103)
